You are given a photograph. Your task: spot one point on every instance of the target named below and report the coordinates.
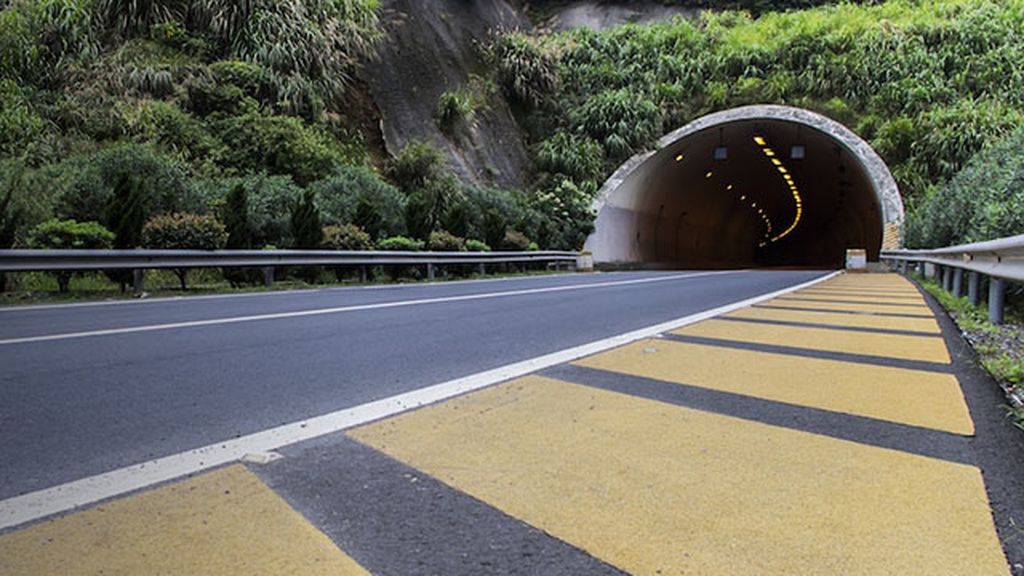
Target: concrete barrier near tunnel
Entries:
(759, 185)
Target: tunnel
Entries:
(758, 186)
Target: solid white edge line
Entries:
(345, 309)
(79, 493)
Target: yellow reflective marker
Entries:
(911, 397)
(654, 488)
(225, 522)
(922, 348)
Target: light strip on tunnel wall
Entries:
(794, 190)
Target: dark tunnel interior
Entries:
(749, 193)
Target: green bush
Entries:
(515, 241)
(577, 157)
(176, 133)
(454, 109)
(400, 244)
(624, 121)
(443, 241)
(416, 164)
(526, 68)
(357, 195)
(983, 201)
(279, 145)
(225, 86)
(346, 237)
(69, 234)
(477, 246)
(184, 231)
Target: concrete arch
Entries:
(679, 205)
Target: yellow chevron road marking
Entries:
(225, 522)
(658, 489)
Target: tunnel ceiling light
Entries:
(679, 157)
(721, 153)
(796, 152)
(709, 174)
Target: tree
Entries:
(235, 216)
(125, 216)
(184, 231)
(306, 228)
(10, 219)
(69, 234)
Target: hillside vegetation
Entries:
(160, 120)
(927, 83)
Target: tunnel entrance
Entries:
(747, 187)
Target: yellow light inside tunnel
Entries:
(776, 161)
(709, 174)
(769, 152)
(759, 140)
(782, 170)
(679, 157)
(729, 187)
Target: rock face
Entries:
(602, 15)
(433, 47)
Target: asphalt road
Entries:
(89, 388)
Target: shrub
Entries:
(224, 87)
(568, 216)
(515, 240)
(69, 234)
(357, 195)
(577, 157)
(622, 120)
(454, 109)
(346, 237)
(256, 142)
(426, 208)
(527, 69)
(477, 246)
(168, 129)
(442, 241)
(416, 164)
(182, 231)
(400, 244)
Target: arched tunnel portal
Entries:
(753, 186)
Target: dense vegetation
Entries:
(162, 120)
(928, 83)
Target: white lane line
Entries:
(353, 308)
(65, 497)
(280, 292)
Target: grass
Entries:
(1000, 348)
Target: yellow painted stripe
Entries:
(917, 398)
(894, 294)
(654, 488)
(225, 522)
(855, 320)
(924, 348)
(874, 299)
(843, 307)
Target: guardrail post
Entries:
(430, 271)
(482, 269)
(363, 276)
(958, 282)
(903, 267)
(138, 281)
(996, 298)
(974, 288)
(947, 278)
(268, 276)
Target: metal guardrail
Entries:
(140, 260)
(1000, 260)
